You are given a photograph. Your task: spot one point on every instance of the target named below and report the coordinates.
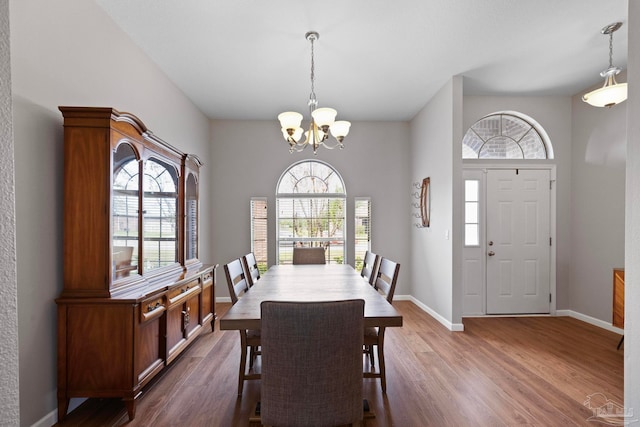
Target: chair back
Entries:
(308, 256)
(387, 277)
(311, 363)
(251, 271)
(370, 266)
(236, 280)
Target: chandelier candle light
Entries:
(612, 92)
(323, 120)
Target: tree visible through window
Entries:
(311, 211)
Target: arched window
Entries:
(506, 135)
(311, 201)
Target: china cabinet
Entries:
(135, 293)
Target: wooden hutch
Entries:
(135, 294)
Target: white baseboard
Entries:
(52, 417)
(48, 420)
(223, 299)
(454, 327)
(591, 320)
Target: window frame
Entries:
(534, 129)
(329, 196)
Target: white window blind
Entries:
(259, 235)
(362, 229)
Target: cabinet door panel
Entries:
(159, 214)
(99, 346)
(149, 354)
(125, 218)
(175, 334)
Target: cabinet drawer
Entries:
(184, 291)
(207, 278)
(152, 308)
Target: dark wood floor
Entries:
(499, 372)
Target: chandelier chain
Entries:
(312, 96)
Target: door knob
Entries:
(491, 253)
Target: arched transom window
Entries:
(311, 201)
(506, 135)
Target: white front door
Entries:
(518, 241)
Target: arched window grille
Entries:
(506, 135)
(311, 211)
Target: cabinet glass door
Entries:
(159, 214)
(125, 220)
(191, 201)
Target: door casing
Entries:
(474, 286)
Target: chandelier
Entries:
(323, 120)
(612, 92)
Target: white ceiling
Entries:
(375, 59)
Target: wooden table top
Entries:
(328, 282)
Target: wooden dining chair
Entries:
(311, 363)
(251, 271)
(308, 256)
(237, 283)
(370, 267)
(385, 283)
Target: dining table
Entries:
(310, 283)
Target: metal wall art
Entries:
(424, 206)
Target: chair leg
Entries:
(251, 356)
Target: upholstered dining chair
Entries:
(311, 363)
(309, 256)
(251, 271)
(237, 283)
(385, 283)
(370, 267)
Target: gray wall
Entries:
(9, 407)
(632, 222)
(597, 205)
(71, 53)
(250, 156)
(432, 142)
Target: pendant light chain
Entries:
(610, 49)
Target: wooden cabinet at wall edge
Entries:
(135, 294)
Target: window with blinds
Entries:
(259, 232)
(311, 202)
(362, 229)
